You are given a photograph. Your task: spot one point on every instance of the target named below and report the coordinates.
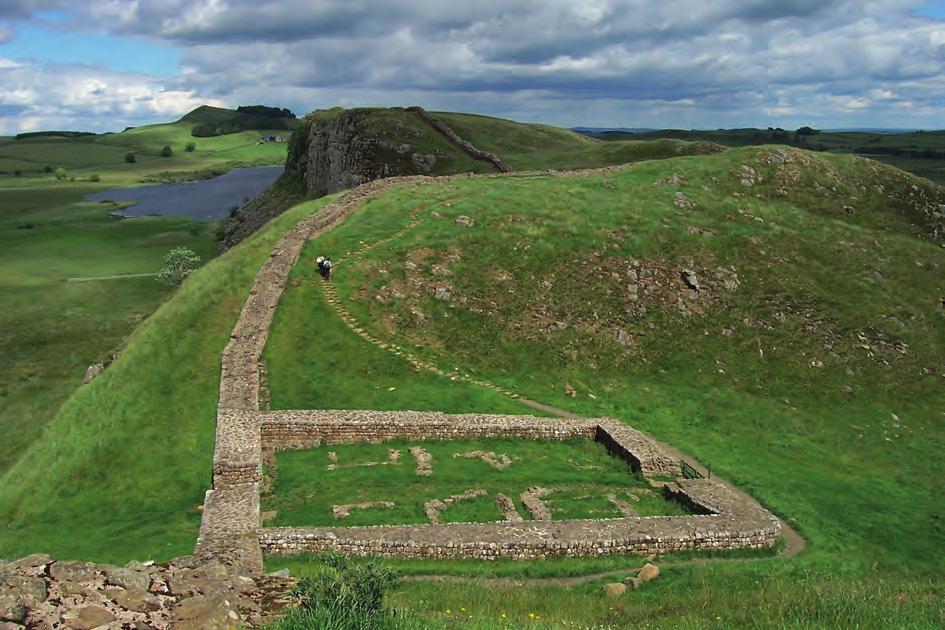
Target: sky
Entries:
(102, 65)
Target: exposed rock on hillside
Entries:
(40, 592)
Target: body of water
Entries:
(206, 200)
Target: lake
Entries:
(206, 200)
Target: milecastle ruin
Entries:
(247, 433)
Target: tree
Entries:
(167, 151)
(61, 173)
(95, 178)
(179, 263)
(190, 147)
(806, 131)
(130, 157)
(47, 169)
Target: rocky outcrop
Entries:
(341, 149)
(40, 592)
(346, 150)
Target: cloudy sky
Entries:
(105, 64)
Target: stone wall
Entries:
(304, 429)
(732, 523)
(641, 452)
(465, 145)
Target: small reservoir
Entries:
(206, 200)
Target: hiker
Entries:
(324, 267)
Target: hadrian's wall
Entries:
(465, 145)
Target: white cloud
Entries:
(85, 98)
(607, 62)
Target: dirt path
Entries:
(121, 276)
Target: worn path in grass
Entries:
(794, 542)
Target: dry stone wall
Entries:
(734, 523)
(304, 429)
(465, 145)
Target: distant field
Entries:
(921, 153)
(51, 329)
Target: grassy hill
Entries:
(776, 313)
(51, 327)
(536, 147)
(918, 152)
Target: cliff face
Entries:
(353, 148)
(339, 149)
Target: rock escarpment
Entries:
(340, 149)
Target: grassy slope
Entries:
(837, 142)
(526, 147)
(127, 458)
(772, 385)
(50, 329)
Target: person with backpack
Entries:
(324, 267)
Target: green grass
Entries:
(537, 147)
(126, 460)
(52, 329)
(581, 473)
(770, 384)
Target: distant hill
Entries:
(919, 152)
(218, 121)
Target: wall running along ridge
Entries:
(465, 145)
(231, 530)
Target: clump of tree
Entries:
(189, 148)
(130, 157)
(62, 174)
(806, 131)
(47, 169)
(262, 110)
(167, 151)
(95, 178)
(179, 263)
(53, 134)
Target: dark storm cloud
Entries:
(730, 61)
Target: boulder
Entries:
(614, 589)
(32, 589)
(74, 571)
(92, 371)
(25, 565)
(91, 617)
(9, 625)
(633, 582)
(649, 572)
(12, 607)
(202, 613)
(129, 579)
